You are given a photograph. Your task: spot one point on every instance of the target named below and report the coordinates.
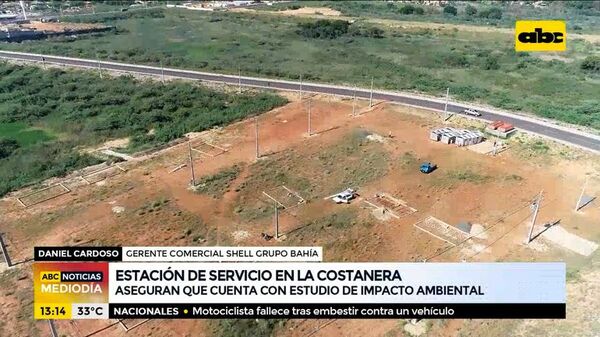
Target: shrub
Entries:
(456, 60)
(491, 63)
(410, 9)
(374, 32)
(470, 10)
(323, 29)
(491, 13)
(591, 64)
(450, 10)
(7, 147)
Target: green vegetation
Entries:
(41, 161)
(467, 176)
(343, 219)
(470, 10)
(464, 175)
(341, 234)
(481, 67)
(408, 160)
(217, 184)
(513, 177)
(581, 14)
(450, 10)
(323, 29)
(7, 147)
(591, 64)
(82, 109)
(23, 134)
(532, 148)
(353, 162)
(247, 327)
(408, 9)
(152, 207)
(110, 17)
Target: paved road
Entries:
(543, 128)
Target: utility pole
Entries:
(162, 72)
(53, 331)
(192, 173)
(99, 68)
(23, 9)
(239, 80)
(5, 252)
(354, 104)
(256, 136)
(300, 87)
(276, 220)
(446, 105)
(535, 207)
(309, 111)
(371, 95)
(581, 195)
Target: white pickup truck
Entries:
(472, 112)
(345, 197)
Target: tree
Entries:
(470, 10)
(450, 10)
(7, 147)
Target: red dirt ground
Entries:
(161, 210)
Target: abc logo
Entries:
(50, 276)
(540, 36)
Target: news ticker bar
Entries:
(179, 254)
(302, 310)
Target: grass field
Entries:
(23, 134)
(480, 67)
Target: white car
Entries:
(472, 112)
(345, 197)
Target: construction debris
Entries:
(460, 137)
(500, 129)
(559, 236)
(465, 227)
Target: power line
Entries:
(483, 231)
(528, 204)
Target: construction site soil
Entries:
(377, 151)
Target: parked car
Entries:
(345, 197)
(427, 167)
(472, 112)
